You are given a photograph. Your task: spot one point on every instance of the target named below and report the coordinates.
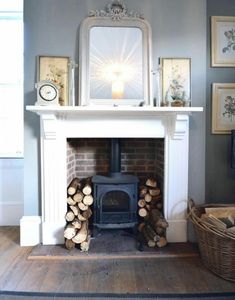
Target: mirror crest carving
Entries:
(116, 11)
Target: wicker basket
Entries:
(217, 246)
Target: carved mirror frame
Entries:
(115, 15)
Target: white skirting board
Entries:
(30, 230)
(11, 213)
(177, 231)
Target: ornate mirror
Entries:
(115, 58)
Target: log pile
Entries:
(152, 224)
(221, 217)
(79, 200)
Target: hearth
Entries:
(115, 196)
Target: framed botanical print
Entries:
(57, 70)
(223, 41)
(176, 81)
(223, 108)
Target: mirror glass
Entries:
(116, 67)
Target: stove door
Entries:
(116, 204)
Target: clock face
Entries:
(47, 92)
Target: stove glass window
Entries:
(116, 201)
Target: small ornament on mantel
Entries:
(47, 93)
(72, 66)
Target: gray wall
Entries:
(178, 28)
(220, 178)
(11, 191)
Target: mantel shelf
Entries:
(112, 111)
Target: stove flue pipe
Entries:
(115, 156)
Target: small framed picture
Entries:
(223, 108)
(222, 41)
(57, 70)
(176, 81)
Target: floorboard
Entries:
(143, 276)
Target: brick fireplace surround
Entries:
(60, 124)
(142, 157)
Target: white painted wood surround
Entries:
(60, 123)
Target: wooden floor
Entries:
(146, 276)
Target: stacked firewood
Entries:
(79, 201)
(153, 225)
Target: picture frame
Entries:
(223, 41)
(223, 108)
(58, 70)
(175, 81)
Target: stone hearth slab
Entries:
(113, 244)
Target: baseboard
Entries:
(53, 233)
(30, 230)
(177, 231)
(31, 226)
(10, 213)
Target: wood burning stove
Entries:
(115, 196)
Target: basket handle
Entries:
(191, 204)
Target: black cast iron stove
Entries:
(115, 196)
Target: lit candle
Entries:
(117, 89)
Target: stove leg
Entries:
(95, 231)
(140, 242)
(139, 238)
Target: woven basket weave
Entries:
(217, 246)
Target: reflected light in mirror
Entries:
(119, 75)
(116, 69)
(117, 89)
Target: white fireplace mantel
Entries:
(173, 115)
(112, 111)
(59, 123)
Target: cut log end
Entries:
(84, 246)
(151, 182)
(162, 242)
(74, 185)
(69, 244)
(70, 231)
(143, 212)
(81, 234)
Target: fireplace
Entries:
(115, 196)
(60, 123)
(116, 165)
